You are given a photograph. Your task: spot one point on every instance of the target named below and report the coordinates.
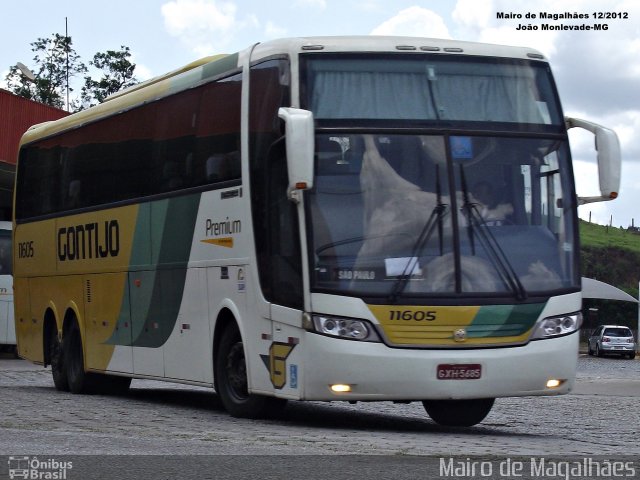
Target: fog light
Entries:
(554, 383)
(340, 388)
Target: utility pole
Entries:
(66, 40)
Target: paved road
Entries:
(601, 417)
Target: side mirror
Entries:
(609, 159)
(300, 146)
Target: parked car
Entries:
(612, 339)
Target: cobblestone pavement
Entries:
(600, 418)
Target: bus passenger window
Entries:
(73, 199)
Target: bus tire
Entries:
(79, 380)
(232, 382)
(56, 358)
(458, 413)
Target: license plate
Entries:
(459, 371)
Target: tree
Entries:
(56, 62)
(117, 74)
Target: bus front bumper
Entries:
(374, 371)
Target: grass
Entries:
(593, 235)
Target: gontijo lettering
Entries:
(90, 240)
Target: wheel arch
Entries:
(71, 314)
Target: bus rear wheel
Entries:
(458, 413)
(79, 380)
(232, 383)
(56, 357)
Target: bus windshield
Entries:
(443, 208)
(384, 219)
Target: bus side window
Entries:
(217, 157)
(5, 253)
(73, 198)
(284, 241)
(276, 226)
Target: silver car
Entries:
(612, 339)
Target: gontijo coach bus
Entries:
(354, 219)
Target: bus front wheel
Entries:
(232, 383)
(458, 413)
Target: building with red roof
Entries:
(17, 114)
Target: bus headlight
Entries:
(557, 326)
(348, 328)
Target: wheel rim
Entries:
(236, 372)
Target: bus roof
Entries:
(217, 65)
(374, 43)
(173, 73)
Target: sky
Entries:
(597, 72)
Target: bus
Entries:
(7, 325)
(330, 218)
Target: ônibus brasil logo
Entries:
(33, 468)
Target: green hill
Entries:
(611, 255)
(593, 235)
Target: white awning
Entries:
(596, 289)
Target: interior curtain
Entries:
(402, 95)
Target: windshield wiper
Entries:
(434, 220)
(490, 244)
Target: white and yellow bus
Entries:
(347, 218)
(7, 325)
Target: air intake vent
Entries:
(88, 285)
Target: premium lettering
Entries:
(226, 227)
(88, 241)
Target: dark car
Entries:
(612, 339)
